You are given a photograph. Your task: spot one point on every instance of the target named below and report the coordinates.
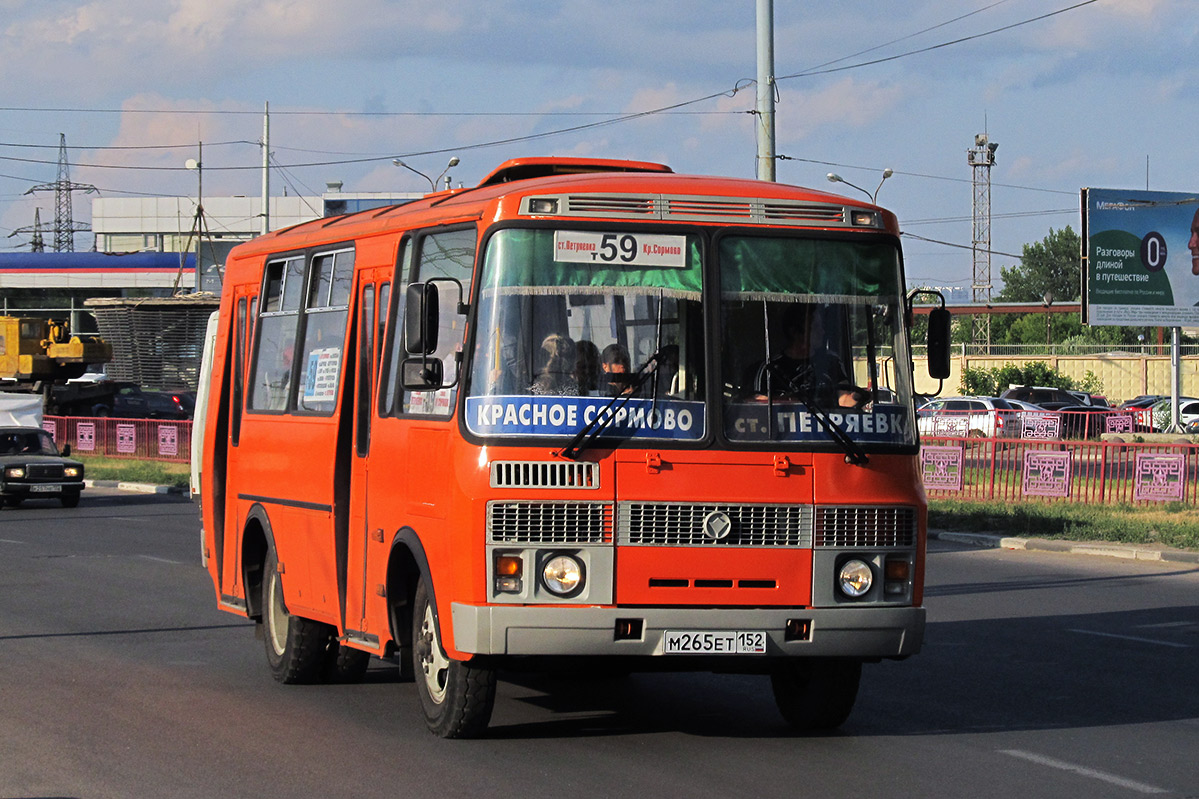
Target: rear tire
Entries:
(456, 697)
(816, 694)
(296, 648)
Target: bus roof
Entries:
(521, 177)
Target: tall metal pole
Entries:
(199, 223)
(266, 169)
(766, 154)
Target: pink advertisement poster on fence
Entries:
(941, 468)
(1160, 477)
(1046, 474)
(126, 439)
(168, 440)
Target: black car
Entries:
(32, 468)
(128, 401)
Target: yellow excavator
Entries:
(37, 354)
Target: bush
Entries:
(983, 382)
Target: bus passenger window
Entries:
(273, 368)
(325, 330)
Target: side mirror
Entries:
(421, 319)
(420, 374)
(66, 450)
(938, 343)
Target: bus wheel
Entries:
(455, 697)
(345, 664)
(816, 694)
(295, 647)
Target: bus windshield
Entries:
(568, 317)
(812, 336)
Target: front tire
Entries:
(816, 694)
(295, 647)
(456, 697)
(70, 499)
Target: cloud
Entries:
(847, 103)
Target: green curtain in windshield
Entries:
(769, 267)
(521, 261)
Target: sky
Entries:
(1103, 94)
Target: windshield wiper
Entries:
(854, 454)
(603, 420)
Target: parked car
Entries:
(32, 468)
(1188, 411)
(1142, 408)
(1047, 397)
(987, 417)
(1083, 421)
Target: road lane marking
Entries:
(160, 560)
(10, 541)
(1083, 771)
(1132, 638)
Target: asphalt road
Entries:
(1043, 675)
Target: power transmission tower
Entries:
(64, 225)
(35, 242)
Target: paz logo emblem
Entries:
(717, 525)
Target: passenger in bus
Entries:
(557, 376)
(805, 368)
(587, 367)
(615, 364)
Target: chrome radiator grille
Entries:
(856, 526)
(549, 522)
(678, 524)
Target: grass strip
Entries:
(1173, 525)
(162, 473)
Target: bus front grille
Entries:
(549, 522)
(544, 474)
(740, 525)
(864, 526)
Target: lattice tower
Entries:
(981, 158)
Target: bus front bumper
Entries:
(857, 631)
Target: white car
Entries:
(981, 417)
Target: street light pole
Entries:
(833, 177)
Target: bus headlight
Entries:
(563, 575)
(855, 578)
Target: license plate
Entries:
(44, 489)
(707, 642)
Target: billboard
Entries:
(1141, 258)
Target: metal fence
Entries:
(136, 439)
(1090, 472)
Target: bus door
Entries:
(373, 297)
(240, 349)
(411, 475)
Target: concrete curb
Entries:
(1102, 549)
(139, 488)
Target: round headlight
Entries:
(855, 578)
(562, 574)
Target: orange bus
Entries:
(588, 411)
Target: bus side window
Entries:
(449, 254)
(273, 369)
(325, 314)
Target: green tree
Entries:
(1050, 265)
